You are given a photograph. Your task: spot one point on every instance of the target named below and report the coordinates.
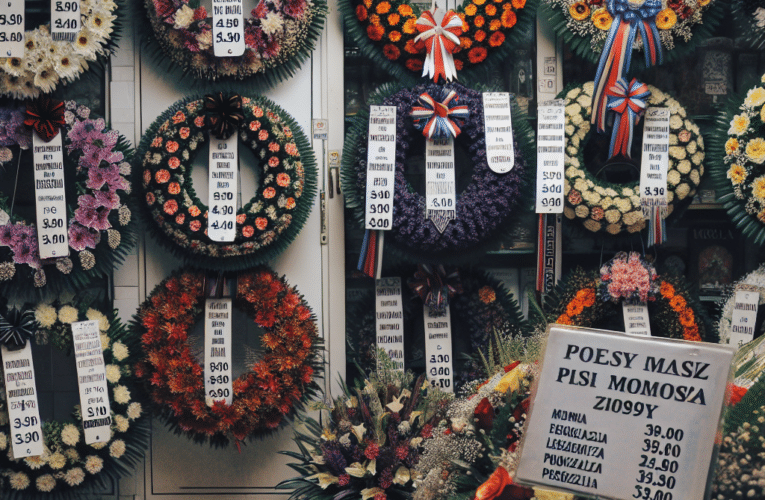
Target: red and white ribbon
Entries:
(440, 31)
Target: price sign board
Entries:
(381, 167)
(228, 28)
(218, 381)
(636, 320)
(624, 417)
(551, 143)
(744, 316)
(438, 349)
(389, 319)
(498, 129)
(222, 189)
(64, 19)
(654, 162)
(21, 398)
(50, 197)
(91, 378)
(12, 28)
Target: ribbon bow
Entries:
(440, 30)
(628, 102)
(436, 119)
(16, 327)
(45, 116)
(224, 114)
(435, 287)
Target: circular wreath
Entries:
(68, 463)
(264, 396)
(279, 36)
(48, 63)
(100, 221)
(267, 223)
(584, 25)
(739, 160)
(483, 208)
(385, 32)
(754, 281)
(614, 208)
(749, 16)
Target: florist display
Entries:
(99, 218)
(269, 221)
(68, 466)
(273, 386)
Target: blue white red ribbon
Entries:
(629, 103)
(437, 119)
(440, 30)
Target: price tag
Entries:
(218, 381)
(654, 162)
(50, 197)
(223, 189)
(12, 28)
(440, 199)
(744, 317)
(64, 19)
(228, 28)
(498, 128)
(91, 378)
(389, 319)
(636, 320)
(623, 417)
(381, 167)
(21, 398)
(551, 143)
(438, 349)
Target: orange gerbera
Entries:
(394, 36)
(579, 11)
(391, 51)
(602, 19)
(508, 19)
(375, 32)
(666, 19)
(496, 39)
(477, 54)
(479, 2)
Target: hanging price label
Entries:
(498, 130)
(389, 319)
(21, 398)
(64, 19)
(223, 189)
(50, 197)
(12, 28)
(744, 317)
(91, 378)
(551, 143)
(218, 381)
(381, 167)
(440, 199)
(654, 162)
(228, 28)
(636, 319)
(438, 349)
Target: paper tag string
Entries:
(440, 30)
(437, 120)
(45, 116)
(628, 101)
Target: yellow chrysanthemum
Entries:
(755, 150)
(736, 174)
(755, 97)
(731, 146)
(739, 124)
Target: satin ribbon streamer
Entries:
(629, 103)
(435, 287)
(45, 116)
(440, 31)
(16, 327)
(436, 119)
(224, 114)
(629, 21)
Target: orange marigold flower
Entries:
(564, 319)
(465, 42)
(194, 211)
(487, 295)
(677, 303)
(391, 51)
(508, 19)
(496, 39)
(375, 19)
(383, 8)
(367, 3)
(410, 26)
(394, 36)
(490, 10)
(180, 218)
(579, 11)
(414, 64)
(361, 13)
(269, 192)
(519, 4)
(480, 36)
(494, 25)
(410, 47)
(587, 296)
(375, 32)
(162, 176)
(477, 54)
(261, 223)
(471, 10)
(170, 207)
(479, 21)
(692, 333)
(173, 188)
(248, 231)
(479, 2)
(290, 203)
(199, 121)
(394, 19)
(283, 179)
(687, 318)
(667, 290)
(574, 308)
(178, 117)
(458, 64)
(405, 10)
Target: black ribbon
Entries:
(16, 327)
(224, 114)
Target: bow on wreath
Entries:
(436, 119)
(629, 103)
(435, 287)
(224, 114)
(440, 30)
(16, 327)
(45, 116)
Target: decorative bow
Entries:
(437, 119)
(16, 327)
(628, 102)
(224, 114)
(440, 30)
(631, 17)
(435, 287)
(45, 116)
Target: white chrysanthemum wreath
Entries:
(67, 462)
(754, 281)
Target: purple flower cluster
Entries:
(12, 130)
(22, 240)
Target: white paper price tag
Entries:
(50, 197)
(228, 28)
(218, 381)
(21, 397)
(551, 143)
(654, 162)
(91, 378)
(12, 28)
(223, 189)
(440, 200)
(624, 417)
(438, 349)
(389, 319)
(64, 19)
(498, 129)
(636, 320)
(381, 167)
(744, 317)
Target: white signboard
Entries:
(12, 28)
(50, 197)
(551, 143)
(744, 317)
(21, 398)
(91, 378)
(223, 189)
(623, 417)
(438, 349)
(498, 129)
(218, 381)
(654, 162)
(389, 319)
(228, 28)
(64, 19)
(381, 167)
(636, 321)
(440, 197)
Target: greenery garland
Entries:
(266, 224)
(68, 466)
(615, 208)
